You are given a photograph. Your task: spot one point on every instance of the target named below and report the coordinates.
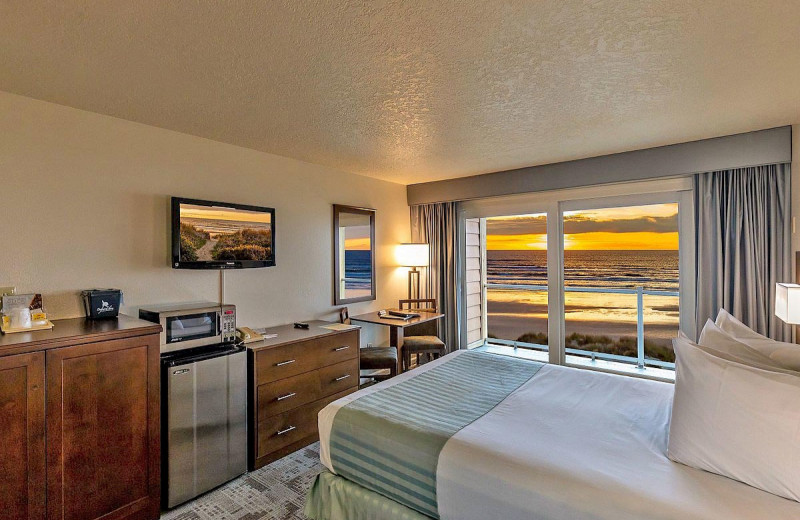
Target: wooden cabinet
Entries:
(293, 376)
(103, 430)
(22, 456)
(102, 419)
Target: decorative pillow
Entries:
(785, 354)
(719, 340)
(736, 420)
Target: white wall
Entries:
(85, 203)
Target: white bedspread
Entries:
(574, 444)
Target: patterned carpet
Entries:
(274, 492)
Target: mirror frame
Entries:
(337, 210)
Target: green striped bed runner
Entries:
(389, 441)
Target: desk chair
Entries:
(374, 358)
(422, 338)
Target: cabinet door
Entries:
(103, 439)
(22, 458)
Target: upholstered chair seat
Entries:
(374, 358)
(378, 358)
(421, 339)
(422, 342)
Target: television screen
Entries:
(217, 235)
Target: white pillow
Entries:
(714, 337)
(736, 420)
(785, 354)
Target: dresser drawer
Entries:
(296, 358)
(294, 425)
(285, 394)
(282, 395)
(339, 377)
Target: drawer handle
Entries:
(341, 348)
(342, 377)
(287, 396)
(287, 430)
(284, 363)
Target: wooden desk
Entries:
(396, 328)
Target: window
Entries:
(621, 269)
(584, 279)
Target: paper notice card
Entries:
(339, 326)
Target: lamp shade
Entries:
(412, 255)
(787, 302)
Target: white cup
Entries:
(21, 319)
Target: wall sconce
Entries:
(413, 256)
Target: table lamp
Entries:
(413, 256)
(787, 302)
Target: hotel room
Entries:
(458, 260)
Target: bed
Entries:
(476, 436)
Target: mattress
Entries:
(565, 444)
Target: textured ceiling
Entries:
(411, 91)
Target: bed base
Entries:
(332, 497)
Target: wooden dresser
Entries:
(79, 421)
(292, 377)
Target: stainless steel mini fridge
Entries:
(204, 420)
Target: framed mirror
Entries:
(353, 254)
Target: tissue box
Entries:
(101, 303)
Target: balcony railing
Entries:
(640, 292)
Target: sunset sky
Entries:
(356, 238)
(241, 215)
(636, 227)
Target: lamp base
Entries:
(413, 284)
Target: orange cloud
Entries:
(642, 240)
(357, 244)
(241, 215)
(652, 227)
(516, 242)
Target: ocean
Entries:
(657, 270)
(357, 269)
(513, 313)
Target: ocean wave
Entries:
(643, 267)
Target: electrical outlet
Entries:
(7, 291)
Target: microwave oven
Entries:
(189, 325)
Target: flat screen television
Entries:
(220, 235)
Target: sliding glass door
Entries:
(516, 281)
(621, 281)
(600, 281)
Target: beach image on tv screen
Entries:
(224, 234)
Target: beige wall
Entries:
(85, 203)
(795, 189)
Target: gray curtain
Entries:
(437, 225)
(743, 245)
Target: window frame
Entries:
(554, 204)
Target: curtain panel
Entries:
(437, 225)
(743, 244)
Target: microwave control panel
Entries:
(228, 324)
